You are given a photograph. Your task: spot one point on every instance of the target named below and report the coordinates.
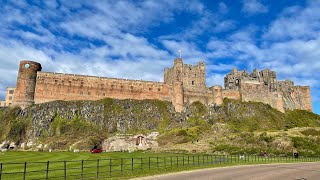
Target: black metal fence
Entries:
(111, 168)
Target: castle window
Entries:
(103, 94)
(192, 82)
(216, 90)
(159, 89)
(10, 97)
(112, 86)
(56, 81)
(81, 92)
(150, 89)
(89, 93)
(11, 92)
(69, 83)
(131, 87)
(237, 82)
(121, 86)
(195, 75)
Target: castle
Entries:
(182, 84)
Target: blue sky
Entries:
(138, 39)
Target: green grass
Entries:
(122, 165)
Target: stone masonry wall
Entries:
(57, 86)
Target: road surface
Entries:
(301, 171)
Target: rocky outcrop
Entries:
(127, 142)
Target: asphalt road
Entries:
(301, 171)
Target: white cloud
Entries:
(254, 7)
(296, 22)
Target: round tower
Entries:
(26, 83)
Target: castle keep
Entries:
(182, 84)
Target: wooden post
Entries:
(157, 162)
(65, 169)
(110, 167)
(82, 169)
(0, 171)
(121, 166)
(98, 168)
(47, 171)
(24, 170)
(177, 161)
(132, 164)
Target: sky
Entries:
(138, 39)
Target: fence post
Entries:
(193, 160)
(65, 169)
(110, 167)
(198, 160)
(24, 170)
(177, 161)
(81, 169)
(171, 162)
(47, 171)
(188, 161)
(149, 163)
(98, 168)
(121, 166)
(164, 161)
(0, 171)
(157, 162)
(183, 161)
(132, 164)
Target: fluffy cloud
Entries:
(137, 39)
(254, 7)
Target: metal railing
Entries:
(112, 168)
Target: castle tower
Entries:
(217, 94)
(26, 83)
(178, 70)
(178, 98)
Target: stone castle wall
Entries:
(182, 84)
(57, 86)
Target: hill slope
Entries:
(60, 124)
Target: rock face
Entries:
(126, 142)
(84, 124)
(109, 115)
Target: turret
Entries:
(26, 83)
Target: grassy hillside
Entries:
(234, 127)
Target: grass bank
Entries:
(83, 165)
